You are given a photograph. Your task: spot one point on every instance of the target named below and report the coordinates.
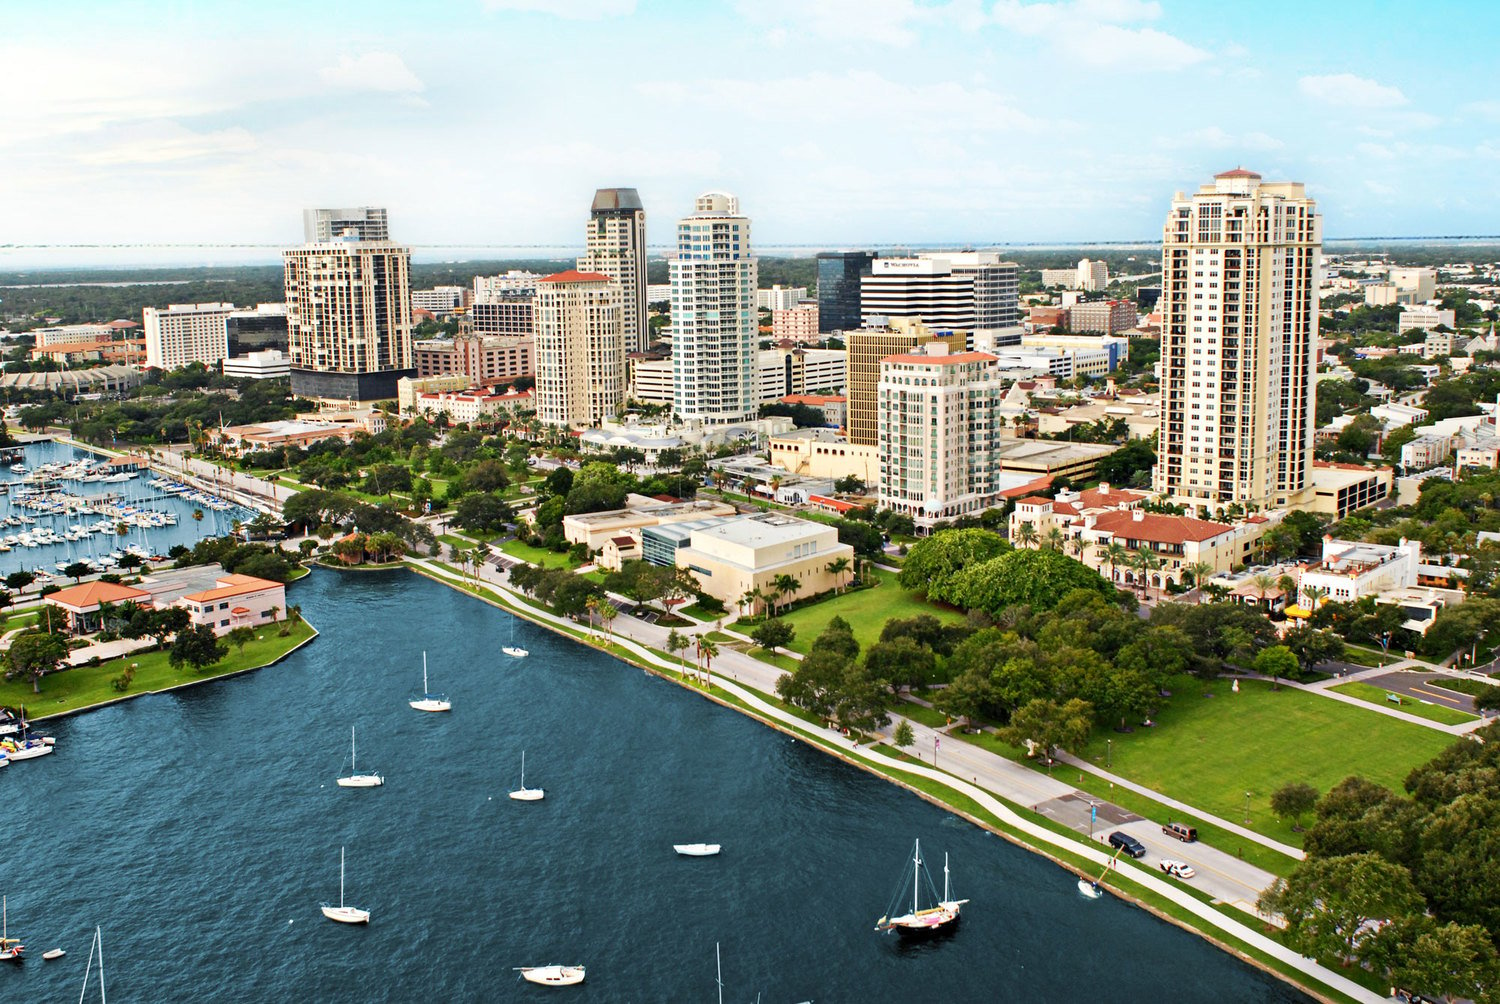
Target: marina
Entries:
(61, 504)
(156, 830)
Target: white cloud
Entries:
(372, 71)
(1345, 90)
(167, 143)
(1093, 32)
(572, 10)
(1215, 138)
(883, 22)
(1489, 110)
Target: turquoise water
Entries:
(136, 492)
(202, 829)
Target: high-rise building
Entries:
(368, 223)
(505, 315)
(615, 245)
(348, 308)
(580, 351)
(491, 288)
(1092, 275)
(186, 333)
(440, 299)
(866, 347)
(257, 329)
(939, 434)
(779, 297)
(839, 275)
(715, 328)
(1239, 329)
(957, 289)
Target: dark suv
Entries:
(1127, 843)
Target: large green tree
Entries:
(932, 563)
(1038, 579)
(33, 655)
(1329, 902)
(197, 647)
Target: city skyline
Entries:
(1014, 122)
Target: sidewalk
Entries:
(626, 629)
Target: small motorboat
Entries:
(514, 652)
(53, 953)
(696, 850)
(552, 976)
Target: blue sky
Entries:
(837, 122)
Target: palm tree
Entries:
(197, 515)
(1078, 546)
(1054, 539)
(1200, 571)
(607, 613)
(706, 651)
(1263, 584)
(785, 585)
(1315, 596)
(1026, 535)
(720, 479)
(1144, 562)
(751, 599)
(1115, 554)
(1288, 587)
(592, 603)
(775, 485)
(837, 570)
(679, 643)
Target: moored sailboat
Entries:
(513, 650)
(355, 779)
(919, 921)
(11, 949)
(552, 976)
(341, 913)
(429, 701)
(523, 793)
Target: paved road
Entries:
(1418, 686)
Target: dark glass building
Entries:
(839, 273)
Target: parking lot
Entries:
(1418, 687)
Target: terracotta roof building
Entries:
(81, 604)
(236, 601)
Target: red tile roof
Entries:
(232, 585)
(1238, 172)
(1159, 528)
(573, 275)
(93, 593)
(940, 360)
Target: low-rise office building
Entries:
(236, 601)
(594, 528)
(750, 553)
(1176, 542)
(267, 364)
(1339, 489)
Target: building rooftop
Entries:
(231, 585)
(573, 275)
(1238, 172)
(1159, 528)
(94, 593)
(606, 199)
(764, 530)
(952, 359)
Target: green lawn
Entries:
(536, 555)
(1432, 712)
(1208, 752)
(866, 610)
(1361, 656)
(930, 717)
(697, 612)
(86, 685)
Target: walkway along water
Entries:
(1032, 834)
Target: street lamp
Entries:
(1109, 752)
(1247, 808)
(1385, 646)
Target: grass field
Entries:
(1208, 752)
(698, 613)
(866, 610)
(87, 685)
(1410, 705)
(536, 555)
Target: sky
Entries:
(838, 123)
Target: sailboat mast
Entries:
(523, 770)
(719, 966)
(352, 769)
(99, 935)
(424, 674)
(916, 875)
(945, 876)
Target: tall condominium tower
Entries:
(580, 351)
(866, 348)
(186, 333)
(839, 273)
(348, 316)
(714, 321)
(1239, 328)
(615, 245)
(368, 223)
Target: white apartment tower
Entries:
(714, 322)
(615, 245)
(369, 223)
(1239, 330)
(580, 351)
(348, 314)
(939, 430)
(186, 333)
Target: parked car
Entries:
(1187, 834)
(1181, 869)
(1125, 842)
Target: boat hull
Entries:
(515, 653)
(28, 753)
(928, 930)
(361, 781)
(553, 976)
(528, 794)
(696, 850)
(346, 914)
(55, 953)
(1089, 889)
(431, 704)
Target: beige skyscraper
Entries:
(1239, 327)
(580, 352)
(615, 245)
(866, 347)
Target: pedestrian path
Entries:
(1034, 832)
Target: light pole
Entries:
(1247, 808)
(1385, 647)
(1109, 752)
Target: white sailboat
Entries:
(513, 650)
(341, 913)
(1091, 890)
(523, 793)
(355, 778)
(696, 850)
(552, 976)
(97, 943)
(11, 949)
(429, 701)
(922, 922)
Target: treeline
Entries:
(1407, 886)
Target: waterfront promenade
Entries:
(749, 680)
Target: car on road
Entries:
(1181, 869)
(1187, 834)
(1125, 842)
